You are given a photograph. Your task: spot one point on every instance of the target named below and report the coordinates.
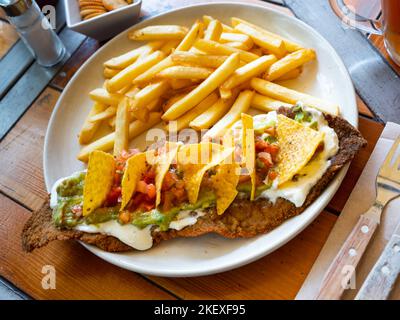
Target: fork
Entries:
(341, 271)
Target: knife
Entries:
(381, 279)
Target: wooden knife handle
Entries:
(343, 266)
(381, 279)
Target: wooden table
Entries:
(80, 274)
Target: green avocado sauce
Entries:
(70, 194)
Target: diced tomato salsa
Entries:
(173, 192)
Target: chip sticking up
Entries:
(134, 169)
(249, 152)
(297, 145)
(98, 181)
(224, 183)
(195, 160)
(162, 166)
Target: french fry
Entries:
(236, 37)
(272, 44)
(172, 100)
(257, 51)
(238, 45)
(131, 93)
(185, 45)
(162, 32)
(155, 105)
(183, 72)
(209, 117)
(121, 128)
(106, 143)
(177, 84)
(196, 59)
(109, 73)
(214, 47)
(103, 96)
(267, 104)
(287, 95)
(248, 71)
(111, 123)
(208, 19)
(126, 59)
(89, 128)
(204, 89)
(107, 113)
(126, 76)
(213, 31)
(183, 121)
(289, 45)
(241, 105)
(225, 93)
(293, 74)
(169, 47)
(290, 62)
(145, 96)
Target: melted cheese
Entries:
(186, 218)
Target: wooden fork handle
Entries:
(340, 273)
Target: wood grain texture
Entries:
(371, 131)
(276, 276)
(88, 47)
(79, 274)
(8, 37)
(343, 267)
(21, 175)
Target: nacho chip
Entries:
(162, 166)
(297, 145)
(224, 183)
(134, 169)
(195, 160)
(249, 152)
(98, 181)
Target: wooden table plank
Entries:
(276, 276)
(8, 37)
(79, 274)
(371, 131)
(21, 175)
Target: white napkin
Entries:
(359, 201)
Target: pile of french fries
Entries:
(202, 77)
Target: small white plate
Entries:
(327, 78)
(104, 26)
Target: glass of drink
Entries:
(388, 26)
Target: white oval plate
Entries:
(327, 78)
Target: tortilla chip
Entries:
(162, 166)
(134, 169)
(98, 181)
(297, 145)
(224, 183)
(195, 160)
(249, 152)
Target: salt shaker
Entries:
(35, 30)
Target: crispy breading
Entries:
(243, 218)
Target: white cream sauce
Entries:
(139, 239)
(186, 218)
